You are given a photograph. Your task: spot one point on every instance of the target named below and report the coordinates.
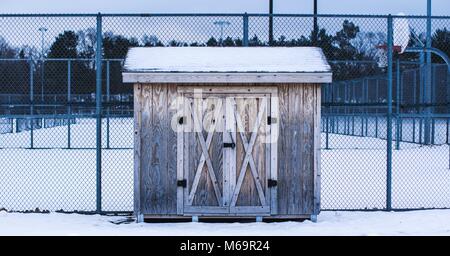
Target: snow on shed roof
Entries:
(226, 59)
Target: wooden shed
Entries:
(227, 132)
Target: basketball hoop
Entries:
(401, 37)
(381, 55)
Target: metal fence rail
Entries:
(66, 118)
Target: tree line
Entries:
(344, 48)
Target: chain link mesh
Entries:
(48, 149)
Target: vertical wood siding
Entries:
(298, 189)
(297, 148)
(157, 160)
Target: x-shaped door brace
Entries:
(248, 147)
(205, 154)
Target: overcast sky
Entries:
(413, 7)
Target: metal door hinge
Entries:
(229, 145)
(271, 183)
(271, 120)
(181, 183)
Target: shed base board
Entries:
(221, 218)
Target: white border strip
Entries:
(153, 77)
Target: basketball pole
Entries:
(428, 82)
(98, 113)
(390, 49)
(397, 102)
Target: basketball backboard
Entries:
(401, 37)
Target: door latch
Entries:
(181, 120)
(229, 145)
(271, 120)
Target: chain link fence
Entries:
(63, 147)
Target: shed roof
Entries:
(223, 62)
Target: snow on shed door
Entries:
(226, 157)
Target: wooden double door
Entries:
(227, 155)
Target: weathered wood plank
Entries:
(146, 148)
(230, 154)
(227, 168)
(249, 189)
(245, 117)
(240, 151)
(307, 168)
(296, 120)
(159, 175)
(158, 157)
(296, 157)
(205, 195)
(265, 130)
(250, 209)
(190, 150)
(273, 145)
(180, 155)
(161, 136)
(208, 180)
(214, 117)
(317, 153)
(194, 155)
(205, 209)
(200, 166)
(230, 89)
(171, 177)
(283, 150)
(221, 216)
(237, 78)
(258, 165)
(257, 161)
(137, 151)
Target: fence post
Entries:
(447, 131)
(42, 78)
(397, 106)
(389, 118)
(362, 124)
(245, 30)
(366, 88)
(415, 92)
(327, 133)
(353, 124)
(337, 123)
(428, 73)
(108, 101)
(98, 112)
(414, 130)
(377, 95)
(315, 25)
(448, 94)
(420, 130)
(270, 22)
(69, 108)
(433, 126)
(376, 126)
(31, 99)
(351, 100)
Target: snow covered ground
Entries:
(353, 171)
(424, 222)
